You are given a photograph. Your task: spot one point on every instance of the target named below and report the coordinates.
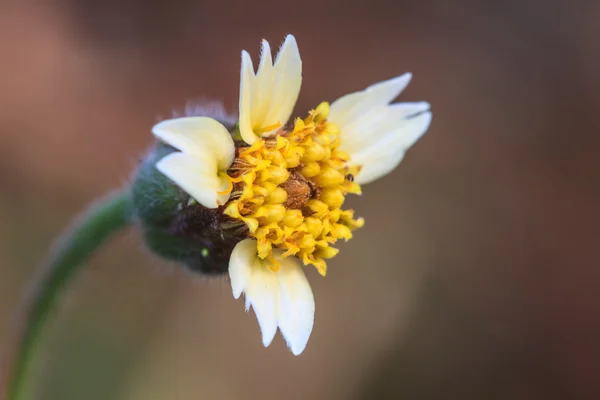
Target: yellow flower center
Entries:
(289, 189)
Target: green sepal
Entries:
(155, 198)
(176, 227)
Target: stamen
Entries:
(274, 263)
(230, 182)
(269, 128)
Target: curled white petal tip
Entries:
(205, 150)
(202, 137)
(267, 97)
(281, 299)
(195, 176)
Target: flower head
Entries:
(281, 188)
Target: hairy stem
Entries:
(70, 253)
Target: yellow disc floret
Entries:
(289, 189)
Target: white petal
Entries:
(249, 274)
(266, 60)
(199, 136)
(263, 293)
(296, 305)
(240, 265)
(384, 155)
(346, 109)
(287, 79)
(281, 299)
(263, 84)
(389, 142)
(267, 98)
(376, 123)
(246, 82)
(373, 171)
(376, 134)
(198, 177)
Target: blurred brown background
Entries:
(476, 277)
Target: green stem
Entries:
(68, 258)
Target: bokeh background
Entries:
(477, 274)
